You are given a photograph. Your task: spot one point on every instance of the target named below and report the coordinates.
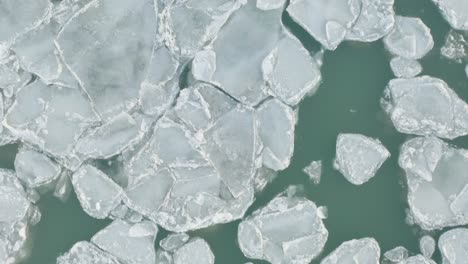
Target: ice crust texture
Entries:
(174, 114)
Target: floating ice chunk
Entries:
(35, 169)
(286, 230)
(327, 21)
(466, 70)
(196, 251)
(260, 30)
(97, 193)
(427, 246)
(418, 259)
(131, 244)
(110, 67)
(110, 139)
(396, 255)
(359, 157)
(86, 253)
(455, 47)
(405, 68)
(455, 12)
(204, 65)
(314, 170)
(375, 20)
(452, 245)
(425, 106)
(437, 183)
(63, 186)
(290, 72)
(410, 38)
(276, 122)
(51, 118)
(19, 17)
(362, 251)
(174, 241)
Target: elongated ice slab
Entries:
(286, 230)
(427, 246)
(405, 68)
(359, 157)
(452, 246)
(410, 38)
(425, 106)
(314, 171)
(437, 182)
(455, 12)
(362, 251)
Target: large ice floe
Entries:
(452, 246)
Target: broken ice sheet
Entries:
(327, 21)
(359, 157)
(427, 246)
(397, 254)
(35, 169)
(84, 252)
(452, 245)
(110, 67)
(410, 38)
(425, 106)
(455, 46)
(405, 68)
(276, 123)
(455, 12)
(97, 193)
(51, 118)
(437, 182)
(286, 230)
(314, 171)
(365, 251)
(129, 243)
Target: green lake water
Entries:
(354, 77)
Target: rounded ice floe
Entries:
(427, 246)
(437, 182)
(363, 251)
(359, 157)
(410, 38)
(396, 255)
(455, 12)
(286, 230)
(425, 106)
(452, 246)
(327, 21)
(405, 68)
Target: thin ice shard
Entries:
(437, 182)
(35, 169)
(286, 230)
(427, 246)
(359, 157)
(405, 68)
(362, 251)
(86, 253)
(110, 67)
(452, 245)
(410, 38)
(314, 171)
(425, 106)
(455, 12)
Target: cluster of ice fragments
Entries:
(190, 122)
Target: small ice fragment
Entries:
(436, 182)
(452, 245)
(322, 212)
(118, 240)
(363, 251)
(326, 21)
(418, 259)
(455, 47)
(410, 38)
(396, 255)
(196, 251)
(314, 170)
(84, 252)
(35, 169)
(110, 139)
(425, 106)
(359, 157)
(97, 193)
(427, 246)
(204, 65)
(466, 70)
(63, 186)
(276, 123)
(286, 230)
(174, 241)
(290, 72)
(405, 68)
(455, 12)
